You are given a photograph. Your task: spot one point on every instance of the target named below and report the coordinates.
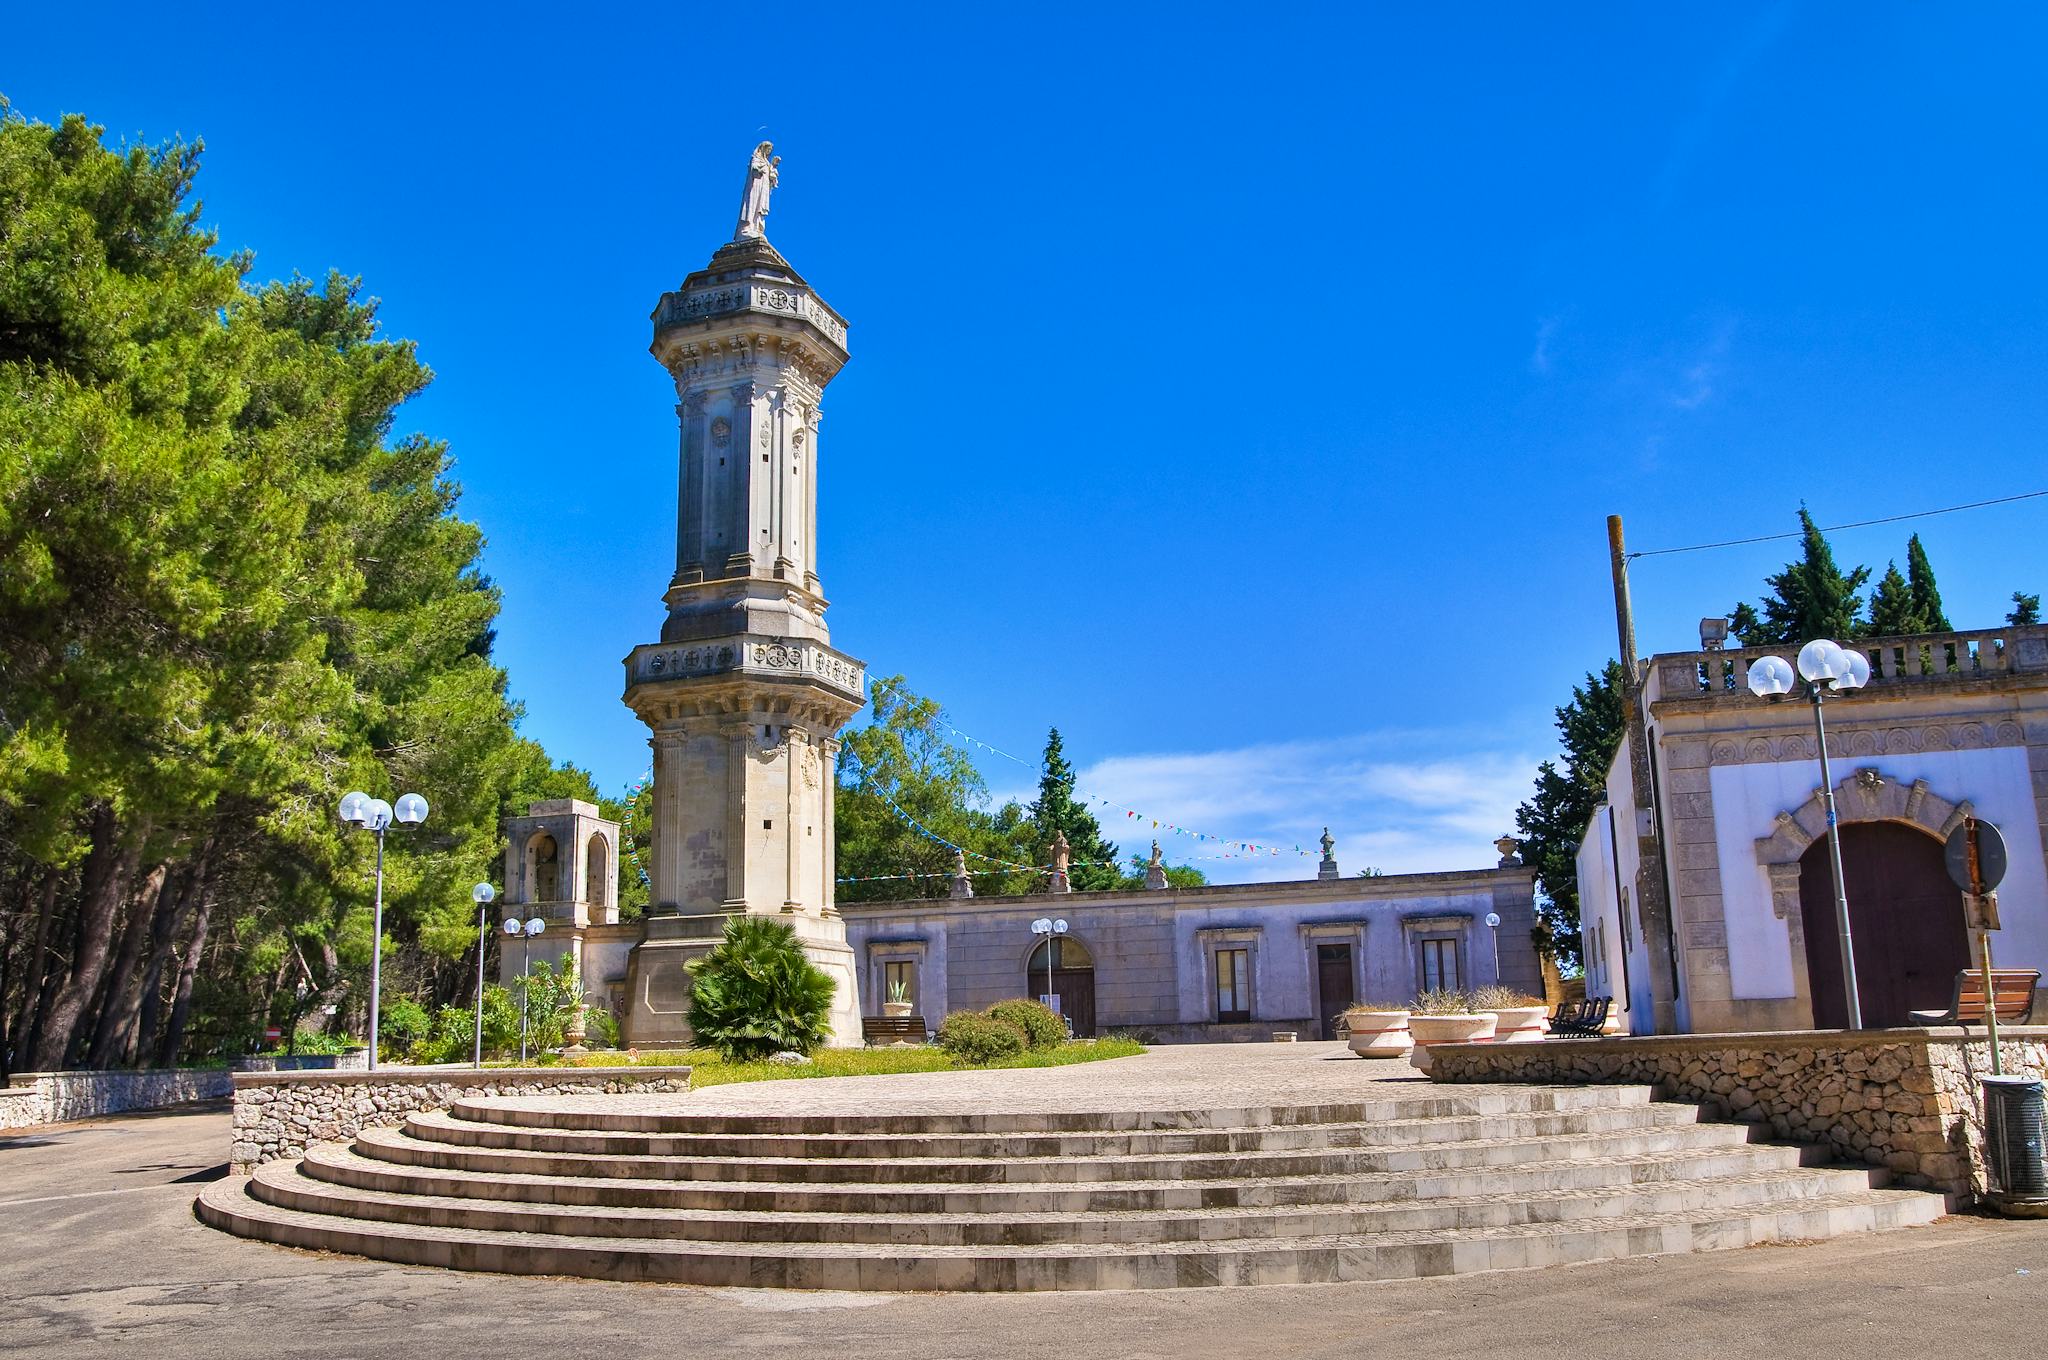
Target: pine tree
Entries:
(1811, 598)
(1055, 810)
(1892, 613)
(1927, 612)
(2026, 610)
(1554, 820)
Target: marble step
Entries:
(398, 1146)
(229, 1205)
(625, 1115)
(346, 1166)
(451, 1128)
(289, 1186)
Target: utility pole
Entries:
(1654, 905)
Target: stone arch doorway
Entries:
(1904, 914)
(1073, 980)
(597, 875)
(543, 869)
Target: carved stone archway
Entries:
(1866, 795)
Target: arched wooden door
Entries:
(1073, 981)
(1906, 917)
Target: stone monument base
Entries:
(658, 980)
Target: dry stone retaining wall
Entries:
(278, 1114)
(58, 1097)
(1906, 1100)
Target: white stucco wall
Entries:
(1627, 973)
(1748, 798)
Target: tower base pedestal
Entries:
(658, 978)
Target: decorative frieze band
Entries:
(1845, 742)
(761, 655)
(677, 309)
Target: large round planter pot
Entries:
(1519, 1024)
(1447, 1029)
(1379, 1034)
(897, 1007)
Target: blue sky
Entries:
(1243, 391)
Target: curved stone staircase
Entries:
(1463, 1179)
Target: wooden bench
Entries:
(1580, 1019)
(881, 1030)
(2012, 994)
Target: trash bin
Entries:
(2015, 1130)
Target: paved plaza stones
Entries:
(1193, 1165)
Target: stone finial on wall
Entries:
(1509, 848)
(1155, 869)
(963, 886)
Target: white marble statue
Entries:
(761, 180)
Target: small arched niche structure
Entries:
(543, 869)
(1891, 849)
(598, 885)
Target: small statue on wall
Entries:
(1062, 856)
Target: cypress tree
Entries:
(1811, 598)
(1055, 810)
(1927, 611)
(1891, 606)
(2026, 610)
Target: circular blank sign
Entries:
(1990, 855)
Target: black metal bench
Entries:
(1580, 1019)
(882, 1030)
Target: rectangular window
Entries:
(1233, 985)
(901, 972)
(1440, 966)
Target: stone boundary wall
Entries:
(35, 1098)
(1903, 1099)
(278, 1114)
(355, 1060)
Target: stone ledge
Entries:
(281, 1114)
(1904, 1100)
(460, 1075)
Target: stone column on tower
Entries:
(743, 693)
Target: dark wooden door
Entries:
(1904, 914)
(1075, 987)
(1334, 984)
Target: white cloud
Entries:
(1401, 802)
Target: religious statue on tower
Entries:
(762, 177)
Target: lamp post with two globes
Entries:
(1051, 929)
(1829, 670)
(374, 815)
(524, 931)
(481, 894)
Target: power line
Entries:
(1836, 528)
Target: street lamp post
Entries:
(1828, 670)
(374, 815)
(1051, 929)
(525, 931)
(481, 894)
(1493, 929)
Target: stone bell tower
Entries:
(743, 693)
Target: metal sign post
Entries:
(1975, 857)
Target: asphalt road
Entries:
(100, 1256)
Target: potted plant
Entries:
(1379, 1029)
(1444, 1017)
(899, 1000)
(1519, 1018)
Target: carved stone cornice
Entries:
(1850, 741)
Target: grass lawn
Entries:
(708, 1069)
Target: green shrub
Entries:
(974, 1037)
(403, 1024)
(755, 993)
(600, 1028)
(1042, 1026)
(318, 1044)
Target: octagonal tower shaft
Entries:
(744, 694)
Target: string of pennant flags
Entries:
(1239, 849)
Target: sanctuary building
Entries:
(1733, 835)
